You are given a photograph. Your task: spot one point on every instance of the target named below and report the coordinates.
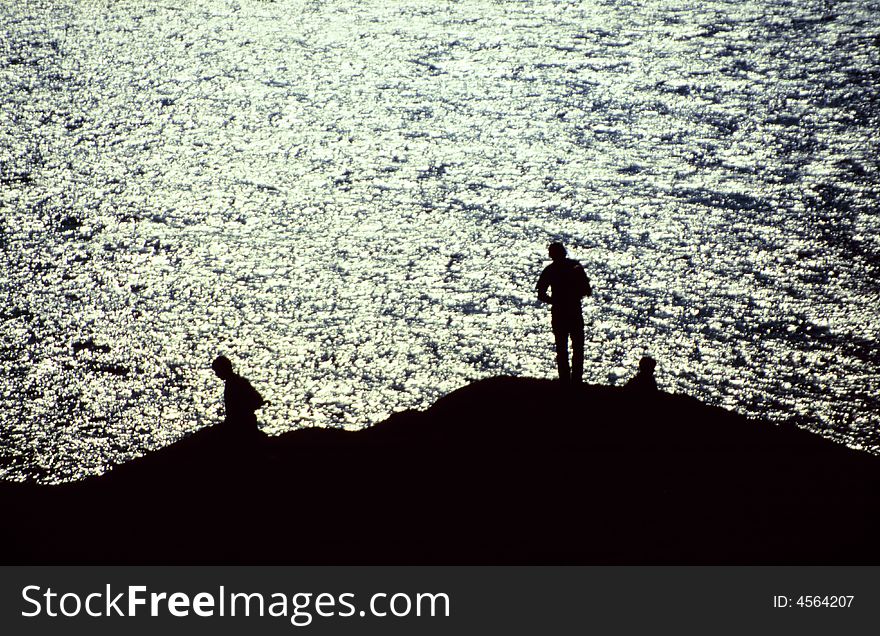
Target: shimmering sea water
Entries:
(352, 200)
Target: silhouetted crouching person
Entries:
(568, 283)
(643, 381)
(240, 399)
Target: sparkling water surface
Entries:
(352, 200)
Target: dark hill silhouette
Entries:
(501, 471)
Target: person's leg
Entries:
(560, 333)
(577, 351)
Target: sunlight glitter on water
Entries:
(353, 203)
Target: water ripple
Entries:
(352, 201)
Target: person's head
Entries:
(647, 365)
(556, 251)
(222, 367)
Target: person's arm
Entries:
(543, 284)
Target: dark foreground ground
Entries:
(502, 471)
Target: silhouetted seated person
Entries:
(568, 283)
(643, 381)
(240, 398)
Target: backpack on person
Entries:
(253, 397)
(581, 284)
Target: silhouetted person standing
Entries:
(240, 398)
(568, 284)
(644, 381)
